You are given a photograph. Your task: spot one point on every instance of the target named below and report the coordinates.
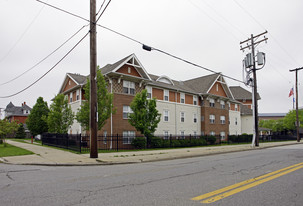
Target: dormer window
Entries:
(149, 92)
(195, 100)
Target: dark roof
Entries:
(80, 79)
(12, 110)
(272, 114)
(245, 110)
(202, 84)
(178, 85)
(240, 93)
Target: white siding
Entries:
(234, 129)
(174, 124)
(247, 124)
(75, 128)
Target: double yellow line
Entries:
(241, 186)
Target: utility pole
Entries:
(297, 110)
(93, 85)
(252, 63)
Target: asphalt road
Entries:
(175, 182)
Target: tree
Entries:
(289, 120)
(37, 119)
(60, 116)
(21, 131)
(6, 128)
(104, 103)
(145, 116)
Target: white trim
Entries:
(165, 77)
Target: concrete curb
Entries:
(154, 157)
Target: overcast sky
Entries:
(205, 32)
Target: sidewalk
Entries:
(56, 157)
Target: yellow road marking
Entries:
(245, 184)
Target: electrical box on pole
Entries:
(260, 58)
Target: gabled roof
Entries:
(77, 78)
(12, 110)
(240, 93)
(131, 60)
(245, 110)
(203, 84)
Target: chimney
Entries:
(24, 103)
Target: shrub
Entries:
(211, 139)
(156, 142)
(139, 142)
(20, 132)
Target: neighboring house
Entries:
(18, 114)
(197, 106)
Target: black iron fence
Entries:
(81, 143)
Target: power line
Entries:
(100, 8)
(49, 69)
(275, 40)
(75, 15)
(103, 10)
(171, 55)
(22, 35)
(44, 57)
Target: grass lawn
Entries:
(11, 150)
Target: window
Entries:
(182, 136)
(195, 99)
(212, 119)
(182, 114)
(128, 87)
(236, 121)
(166, 115)
(202, 118)
(211, 102)
(212, 133)
(195, 118)
(166, 95)
(222, 103)
(128, 137)
(78, 94)
(222, 135)
(104, 137)
(166, 135)
(195, 135)
(71, 97)
(222, 119)
(236, 107)
(126, 111)
(149, 92)
(182, 98)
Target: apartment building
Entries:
(203, 105)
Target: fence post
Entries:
(117, 142)
(67, 141)
(80, 143)
(170, 136)
(190, 139)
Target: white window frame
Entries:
(195, 100)
(166, 95)
(128, 87)
(236, 107)
(166, 134)
(126, 111)
(212, 118)
(212, 133)
(166, 114)
(222, 119)
(182, 134)
(222, 135)
(236, 121)
(195, 118)
(71, 97)
(128, 136)
(211, 102)
(222, 103)
(149, 92)
(77, 94)
(105, 137)
(182, 116)
(195, 134)
(182, 98)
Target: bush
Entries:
(156, 142)
(211, 139)
(139, 142)
(20, 132)
(1, 141)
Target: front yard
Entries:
(11, 150)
